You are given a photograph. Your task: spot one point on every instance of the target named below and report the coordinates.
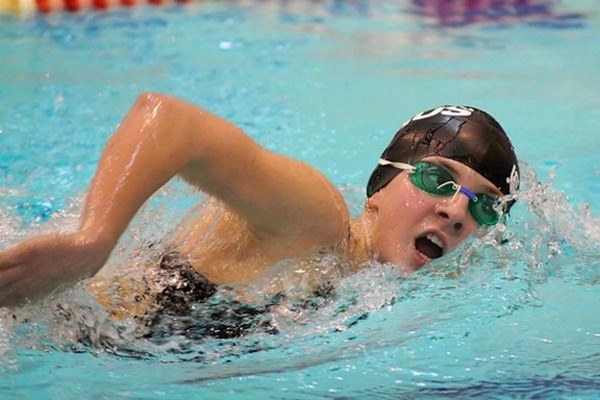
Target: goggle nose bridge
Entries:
(459, 189)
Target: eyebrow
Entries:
(489, 187)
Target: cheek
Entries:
(469, 231)
(404, 205)
(414, 206)
(397, 221)
(473, 230)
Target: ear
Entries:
(372, 203)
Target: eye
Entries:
(436, 177)
(483, 210)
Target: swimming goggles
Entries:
(436, 180)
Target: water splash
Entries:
(498, 276)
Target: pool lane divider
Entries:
(48, 6)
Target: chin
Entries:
(405, 270)
(400, 265)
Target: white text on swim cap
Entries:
(450, 111)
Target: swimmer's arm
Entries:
(163, 136)
(285, 202)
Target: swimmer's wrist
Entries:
(97, 247)
(98, 238)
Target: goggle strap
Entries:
(398, 165)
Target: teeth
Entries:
(435, 240)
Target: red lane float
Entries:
(47, 6)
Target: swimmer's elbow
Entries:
(164, 111)
(146, 99)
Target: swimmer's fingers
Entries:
(8, 276)
(15, 273)
(41, 265)
(18, 255)
(8, 259)
(8, 279)
(9, 271)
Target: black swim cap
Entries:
(464, 134)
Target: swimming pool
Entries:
(327, 82)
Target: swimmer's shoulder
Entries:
(326, 224)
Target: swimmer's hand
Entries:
(40, 265)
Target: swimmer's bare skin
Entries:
(275, 207)
(283, 208)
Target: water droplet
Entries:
(225, 45)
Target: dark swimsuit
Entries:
(187, 306)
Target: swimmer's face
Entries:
(413, 227)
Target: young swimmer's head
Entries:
(464, 134)
(459, 162)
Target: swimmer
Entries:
(447, 173)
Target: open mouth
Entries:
(430, 245)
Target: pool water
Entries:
(328, 82)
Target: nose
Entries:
(454, 210)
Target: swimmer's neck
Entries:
(360, 246)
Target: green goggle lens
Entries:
(437, 180)
(483, 210)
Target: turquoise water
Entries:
(327, 82)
